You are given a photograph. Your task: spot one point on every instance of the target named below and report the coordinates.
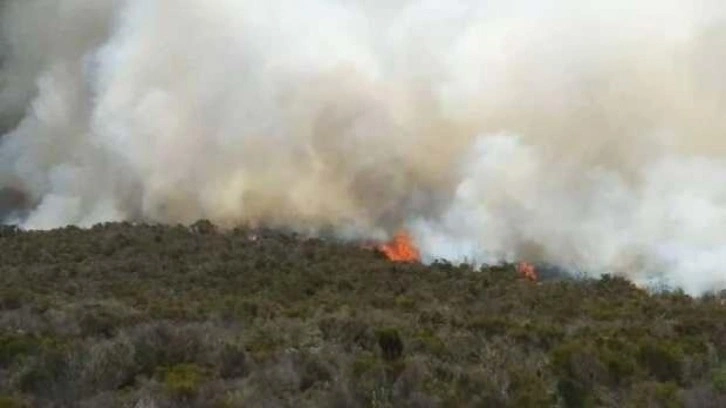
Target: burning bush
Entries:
(401, 249)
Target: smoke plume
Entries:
(589, 135)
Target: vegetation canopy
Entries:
(128, 315)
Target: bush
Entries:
(233, 362)
(428, 342)
(46, 373)
(110, 365)
(579, 371)
(574, 394)
(664, 360)
(14, 347)
(389, 340)
(183, 381)
(12, 298)
(13, 402)
(653, 394)
(365, 364)
(718, 379)
(528, 389)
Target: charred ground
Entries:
(124, 315)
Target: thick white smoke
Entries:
(587, 134)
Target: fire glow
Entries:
(401, 249)
(527, 271)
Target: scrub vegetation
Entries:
(125, 315)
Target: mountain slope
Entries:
(123, 315)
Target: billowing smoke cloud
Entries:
(590, 135)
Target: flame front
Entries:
(401, 249)
(527, 271)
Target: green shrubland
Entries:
(165, 316)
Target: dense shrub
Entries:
(159, 316)
(183, 381)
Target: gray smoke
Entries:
(584, 134)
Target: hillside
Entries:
(154, 316)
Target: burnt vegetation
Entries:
(154, 316)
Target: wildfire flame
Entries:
(401, 249)
(527, 271)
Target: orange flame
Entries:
(527, 271)
(401, 249)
